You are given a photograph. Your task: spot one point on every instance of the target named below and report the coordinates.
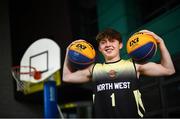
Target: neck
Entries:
(113, 59)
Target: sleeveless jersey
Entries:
(116, 91)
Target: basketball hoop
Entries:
(19, 71)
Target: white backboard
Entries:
(44, 55)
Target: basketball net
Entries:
(17, 74)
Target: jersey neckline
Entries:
(112, 62)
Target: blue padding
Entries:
(140, 54)
(50, 100)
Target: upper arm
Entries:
(152, 69)
(79, 76)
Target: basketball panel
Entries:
(83, 48)
(144, 53)
(78, 57)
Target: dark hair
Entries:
(110, 34)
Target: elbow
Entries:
(65, 79)
(171, 72)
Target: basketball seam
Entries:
(140, 46)
(81, 53)
(146, 54)
(82, 62)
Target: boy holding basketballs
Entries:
(116, 92)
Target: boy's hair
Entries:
(110, 34)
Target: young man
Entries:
(116, 91)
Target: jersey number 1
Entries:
(113, 100)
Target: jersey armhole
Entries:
(92, 72)
(134, 68)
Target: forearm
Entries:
(166, 60)
(66, 71)
(66, 68)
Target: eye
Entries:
(102, 42)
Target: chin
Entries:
(109, 57)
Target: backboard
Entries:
(44, 55)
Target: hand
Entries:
(158, 39)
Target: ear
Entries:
(99, 49)
(120, 45)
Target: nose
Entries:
(108, 43)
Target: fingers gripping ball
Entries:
(81, 54)
(141, 47)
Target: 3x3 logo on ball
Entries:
(81, 47)
(134, 42)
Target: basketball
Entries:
(81, 54)
(141, 47)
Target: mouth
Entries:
(108, 50)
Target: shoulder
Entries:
(95, 66)
(127, 61)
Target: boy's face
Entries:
(110, 48)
